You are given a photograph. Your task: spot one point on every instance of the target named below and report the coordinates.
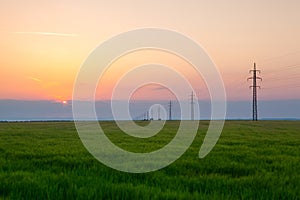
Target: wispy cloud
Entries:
(159, 88)
(34, 79)
(46, 33)
(49, 88)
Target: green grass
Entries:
(252, 160)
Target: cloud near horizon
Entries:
(43, 33)
(45, 110)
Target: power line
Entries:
(273, 75)
(290, 86)
(280, 56)
(283, 68)
(254, 87)
(285, 79)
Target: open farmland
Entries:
(252, 160)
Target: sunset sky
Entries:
(43, 43)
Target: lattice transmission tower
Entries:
(254, 87)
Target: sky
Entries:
(16, 110)
(44, 43)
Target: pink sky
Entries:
(44, 43)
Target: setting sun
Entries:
(156, 99)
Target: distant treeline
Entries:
(18, 121)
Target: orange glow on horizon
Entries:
(43, 45)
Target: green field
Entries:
(252, 160)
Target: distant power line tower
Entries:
(254, 87)
(170, 110)
(192, 106)
(152, 116)
(158, 113)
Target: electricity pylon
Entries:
(254, 87)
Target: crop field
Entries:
(252, 160)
